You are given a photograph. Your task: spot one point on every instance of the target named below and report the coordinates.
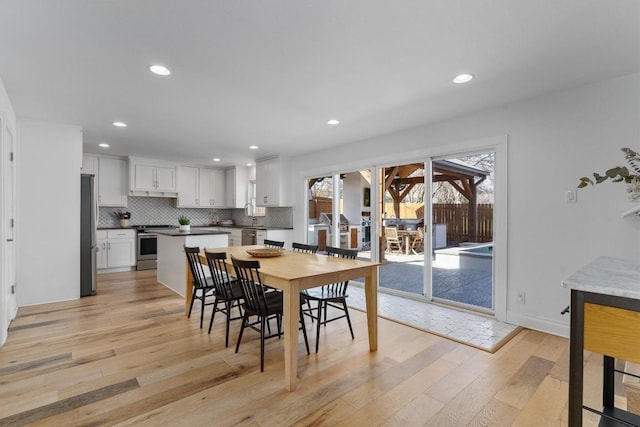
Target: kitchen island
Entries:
(172, 262)
(605, 319)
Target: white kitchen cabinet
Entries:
(236, 185)
(268, 182)
(101, 255)
(187, 186)
(89, 165)
(200, 187)
(151, 177)
(211, 192)
(112, 182)
(116, 248)
(235, 236)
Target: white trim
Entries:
(538, 324)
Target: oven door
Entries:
(147, 246)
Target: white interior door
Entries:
(9, 292)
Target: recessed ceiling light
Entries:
(160, 70)
(463, 78)
(215, 159)
(333, 122)
(253, 147)
(249, 164)
(120, 124)
(103, 145)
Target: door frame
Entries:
(497, 144)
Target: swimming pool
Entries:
(471, 256)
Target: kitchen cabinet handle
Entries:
(9, 240)
(109, 245)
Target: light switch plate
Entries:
(571, 196)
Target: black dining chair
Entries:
(273, 243)
(333, 295)
(228, 292)
(203, 287)
(302, 247)
(260, 303)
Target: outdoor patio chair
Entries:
(418, 241)
(393, 241)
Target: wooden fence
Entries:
(456, 216)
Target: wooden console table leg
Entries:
(576, 358)
(608, 381)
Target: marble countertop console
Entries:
(608, 276)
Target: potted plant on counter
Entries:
(124, 218)
(184, 223)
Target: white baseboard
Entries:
(539, 324)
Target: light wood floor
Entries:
(128, 356)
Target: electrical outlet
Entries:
(522, 297)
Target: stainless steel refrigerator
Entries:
(88, 245)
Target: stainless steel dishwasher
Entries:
(248, 236)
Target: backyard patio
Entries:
(472, 286)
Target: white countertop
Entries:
(609, 276)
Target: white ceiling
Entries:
(272, 72)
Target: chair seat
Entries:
(274, 305)
(323, 294)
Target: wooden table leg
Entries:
(371, 298)
(290, 320)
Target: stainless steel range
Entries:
(147, 248)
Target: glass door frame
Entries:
(497, 144)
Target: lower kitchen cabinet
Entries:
(116, 248)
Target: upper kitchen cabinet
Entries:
(200, 187)
(111, 179)
(236, 181)
(89, 165)
(152, 178)
(271, 182)
(112, 182)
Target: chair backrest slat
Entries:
(301, 247)
(340, 287)
(219, 274)
(273, 243)
(197, 270)
(248, 274)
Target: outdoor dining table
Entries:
(408, 236)
(294, 271)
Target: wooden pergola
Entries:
(398, 182)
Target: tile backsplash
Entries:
(161, 211)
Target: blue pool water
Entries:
(481, 250)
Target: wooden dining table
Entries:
(408, 236)
(294, 271)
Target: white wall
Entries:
(553, 141)
(8, 301)
(48, 164)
